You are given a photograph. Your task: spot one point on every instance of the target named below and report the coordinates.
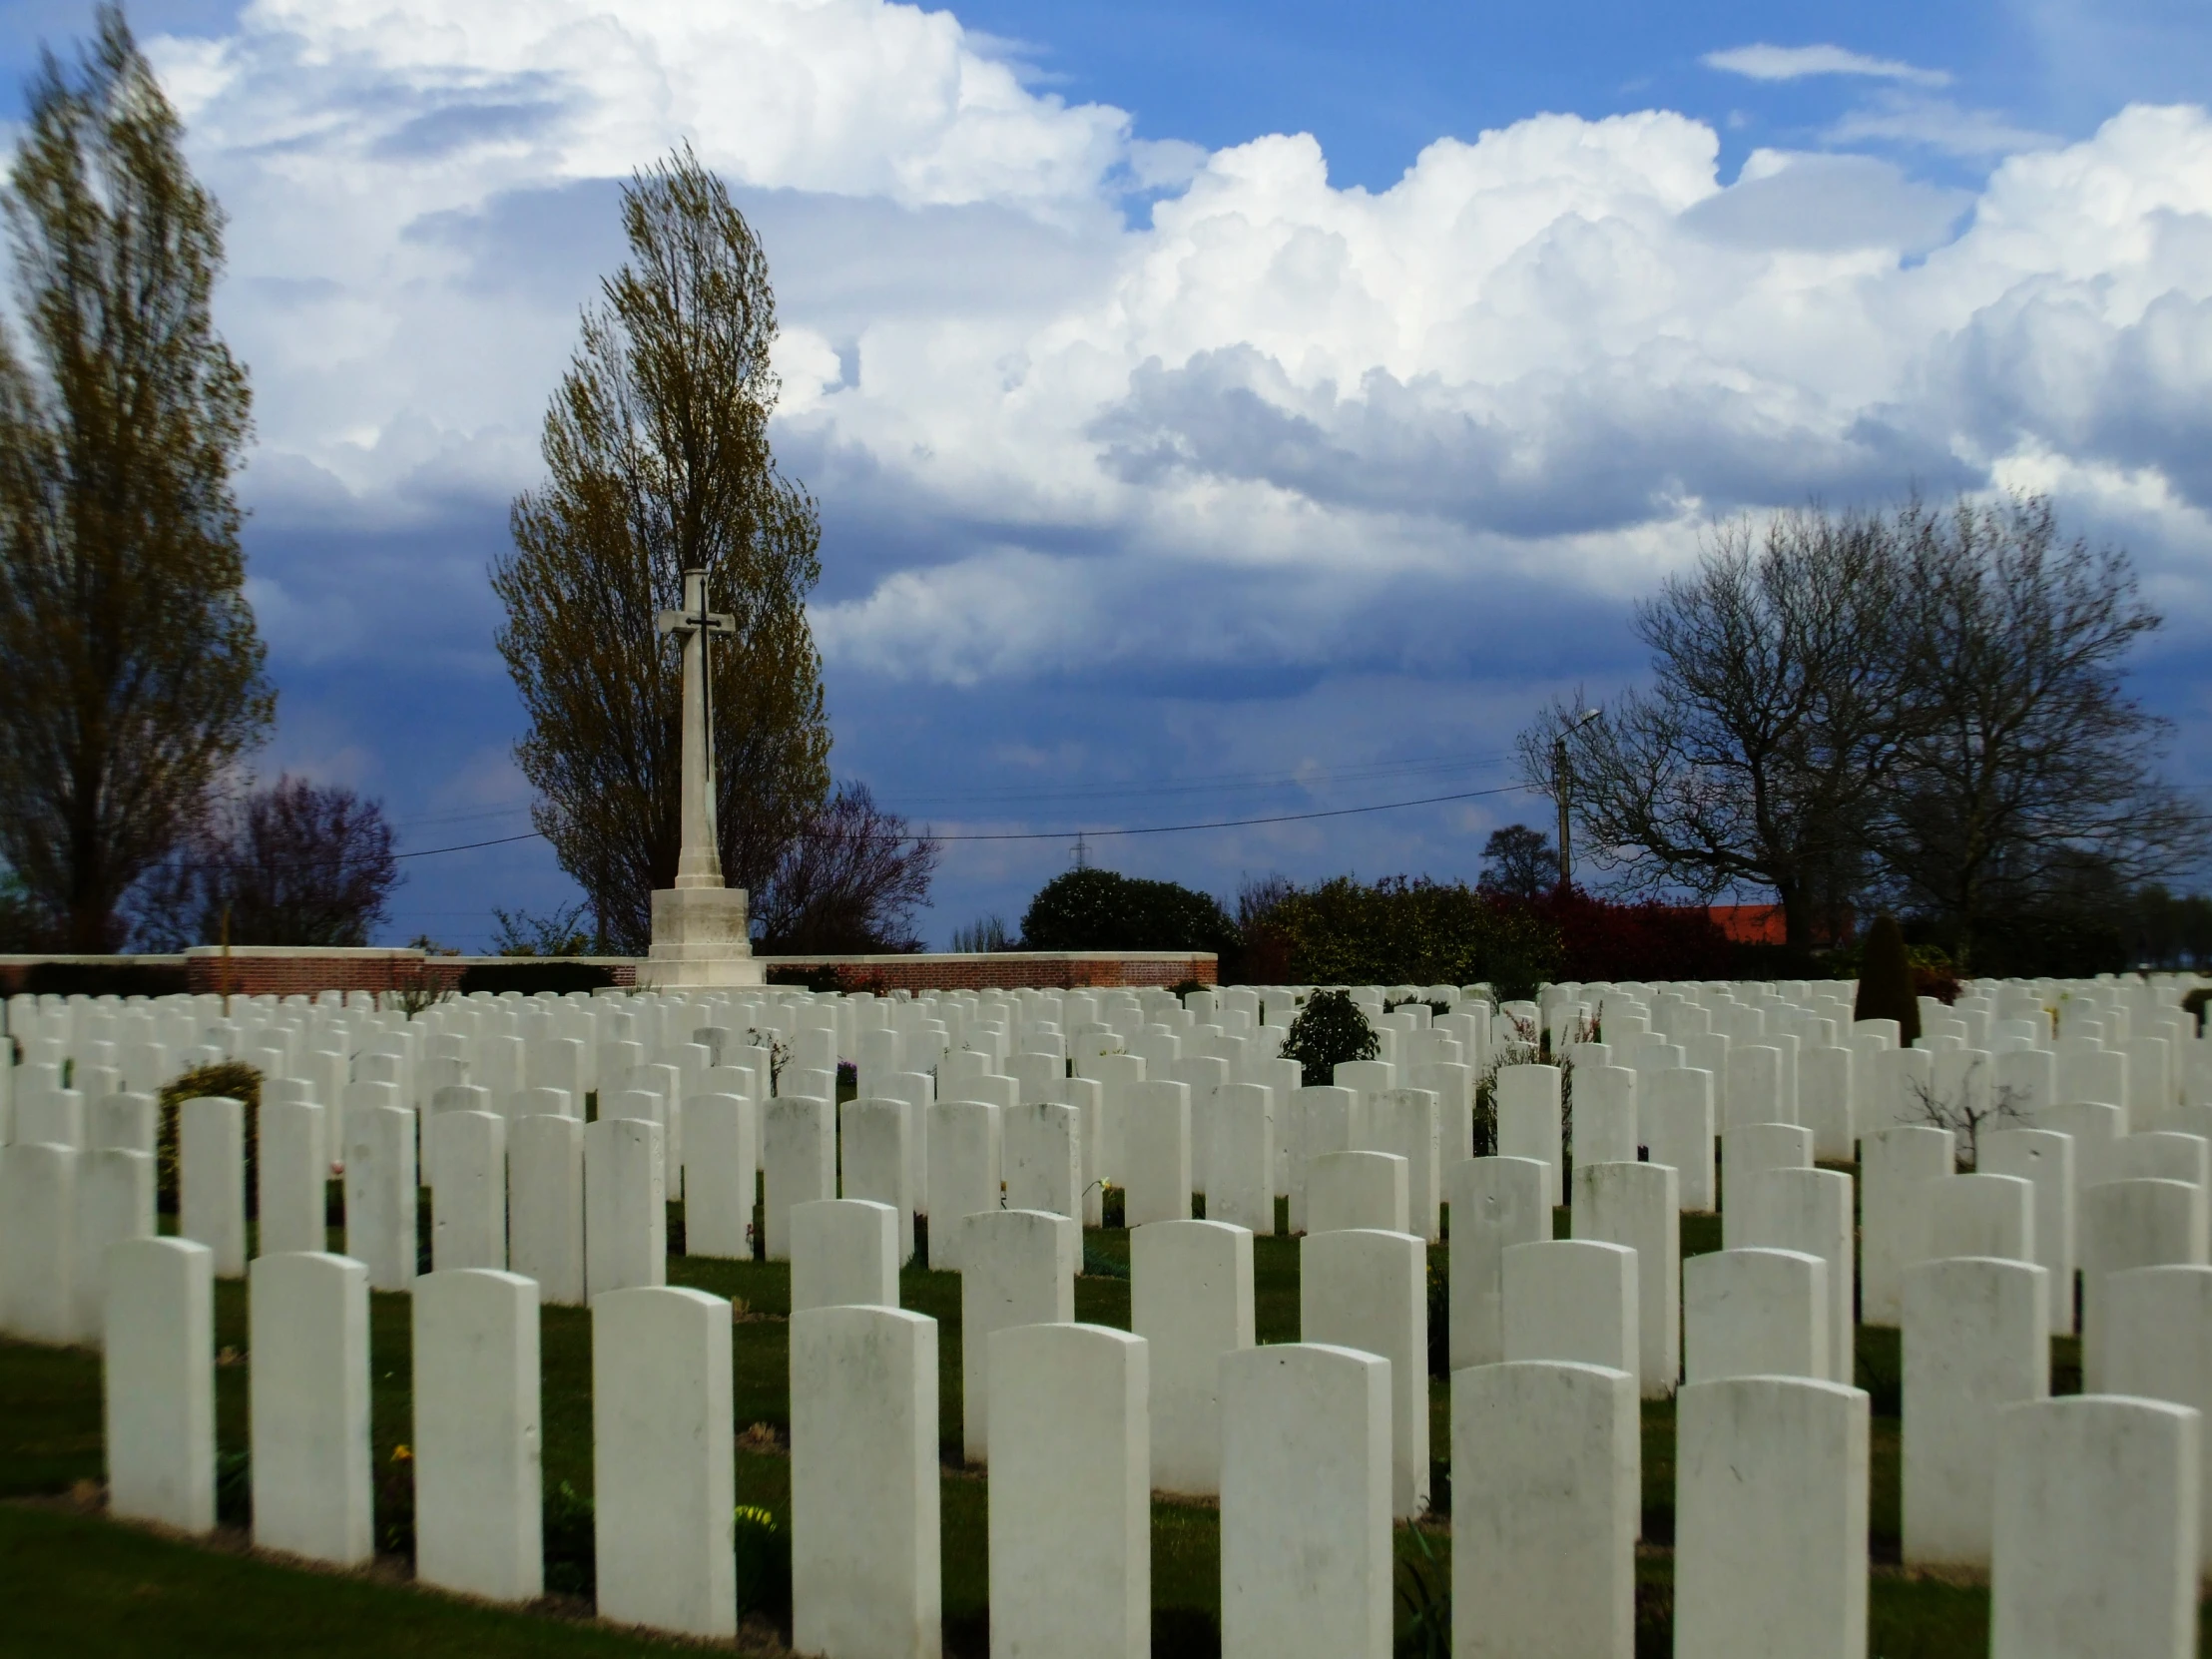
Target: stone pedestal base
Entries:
(699, 940)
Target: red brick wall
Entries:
(1008, 970)
(305, 973)
(272, 973)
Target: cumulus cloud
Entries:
(1092, 408)
(1794, 63)
(1565, 339)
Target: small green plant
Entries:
(1328, 1030)
(571, 1543)
(1425, 1588)
(763, 1563)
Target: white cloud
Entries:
(1937, 124)
(1794, 63)
(1271, 425)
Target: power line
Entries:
(470, 847)
(1374, 773)
(1226, 823)
(1063, 834)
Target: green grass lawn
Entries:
(74, 1582)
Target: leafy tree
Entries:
(1756, 757)
(1414, 931)
(127, 652)
(1099, 910)
(1518, 862)
(849, 881)
(294, 863)
(657, 459)
(2021, 756)
(1328, 1030)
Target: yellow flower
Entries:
(401, 1455)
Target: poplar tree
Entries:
(130, 667)
(658, 462)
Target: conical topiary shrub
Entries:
(1886, 980)
(1329, 1029)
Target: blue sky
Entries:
(1217, 410)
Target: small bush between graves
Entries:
(1886, 989)
(1328, 1031)
(234, 1079)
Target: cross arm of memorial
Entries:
(686, 622)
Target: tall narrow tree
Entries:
(131, 667)
(657, 450)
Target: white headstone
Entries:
(875, 1145)
(1528, 1120)
(1156, 1130)
(210, 1179)
(1755, 1313)
(1894, 1166)
(2096, 1530)
(965, 1153)
(1496, 1202)
(308, 1410)
(2131, 1224)
(545, 1196)
(160, 1374)
(1771, 1505)
(1545, 1503)
(1191, 1298)
(662, 1449)
(478, 1505)
(2158, 1346)
(1976, 1340)
(1306, 1567)
(866, 1565)
(1017, 1266)
(625, 1208)
(2044, 1159)
(1367, 1288)
(1634, 1204)
(843, 1251)
(798, 1163)
(1070, 1482)
(1355, 1189)
(718, 1176)
(380, 1194)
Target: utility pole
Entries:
(1562, 784)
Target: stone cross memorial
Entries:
(700, 936)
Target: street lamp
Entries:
(1560, 780)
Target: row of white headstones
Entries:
(1530, 1317)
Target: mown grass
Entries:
(77, 1584)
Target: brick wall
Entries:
(283, 970)
(270, 970)
(1009, 969)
